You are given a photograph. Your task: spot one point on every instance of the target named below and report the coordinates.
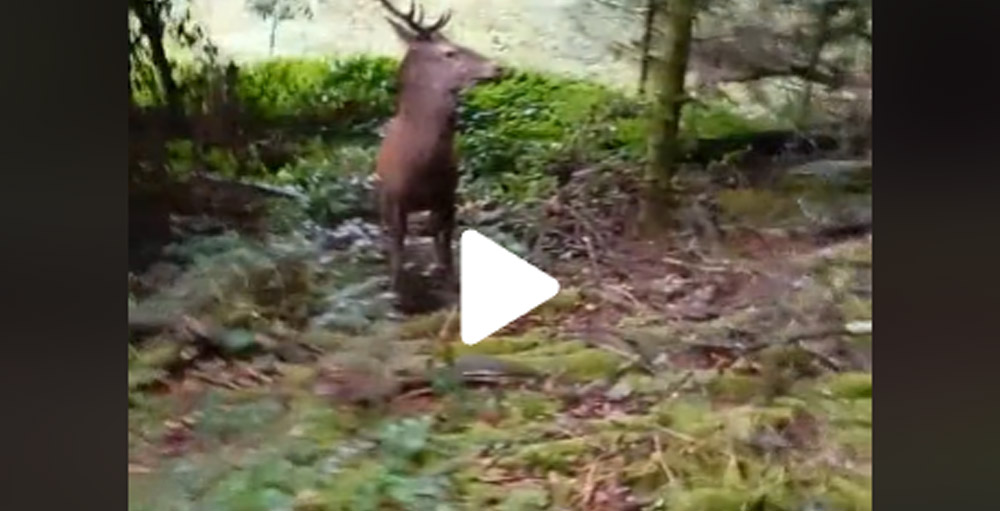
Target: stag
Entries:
(417, 165)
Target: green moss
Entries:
(558, 455)
(688, 416)
(423, 326)
(849, 495)
(352, 487)
(857, 440)
(855, 308)
(719, 118)
(737, 388)
(502, 345)
(530, 406)
(478, 434)
(321, 423)
(324, 339)
(852, 385)
(709, 499)
(634, 423)
(858, 253)
(525, 497)
(296, 376)
(584, 365)
(646, 384)
(565, 301)
(552, 348)
(757, 206)
(478, 495)
(158, 353)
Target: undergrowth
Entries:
(517, 135)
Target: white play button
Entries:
(497, 287)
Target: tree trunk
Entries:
(152, 26)
(663, 144)
(647, 41)
(274, 31)
(819, 42)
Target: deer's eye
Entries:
(450, 53)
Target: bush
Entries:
(716, 118)
(515, 129)
(361, 88)
(337, 181)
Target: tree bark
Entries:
(646, 45)
(819, 42)
(663, 144)
(151, 23)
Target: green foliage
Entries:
(281, 87)
(360, 88)
(397, 481)
(517, 134)
(224, 420)
(336, 181)
(515, 129)
(718, 118)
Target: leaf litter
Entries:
(675, 377)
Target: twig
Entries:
(631, 297)
(593, 257)
(674, 389)
(417, 392)
(586, 224)
(135, 468)
(677, 434)
(824, 359)
(696, 266)
(316, 350)
(215, 381)
(445, 337)
(504, 479)
(662, 462)
(588, 485)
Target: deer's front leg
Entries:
(394, 216)
(444, 228)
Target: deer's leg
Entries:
(444, 228)
(394, 217)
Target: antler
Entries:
(415, 23)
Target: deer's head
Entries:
(431, 59)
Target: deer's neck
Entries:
(432, 108)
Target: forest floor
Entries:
(680, 374)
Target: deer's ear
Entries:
(405, 34)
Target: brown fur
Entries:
(417, 166)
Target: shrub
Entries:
(337, 182)
(360, 87)
(715, 118)
(514, 129)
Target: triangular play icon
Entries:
(497, 287)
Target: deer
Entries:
(416, 168)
